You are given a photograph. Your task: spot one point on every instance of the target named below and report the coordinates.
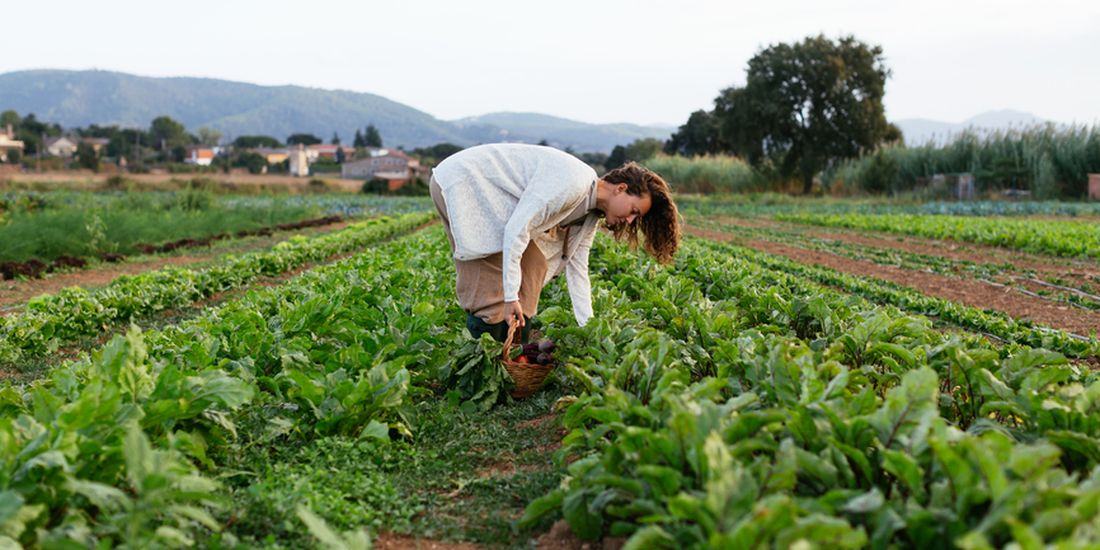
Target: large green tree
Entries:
(86, 156)
(806, 105)
(373, 138)
(252, 142)
(433, 155)
(10, 117)
(209, 137)
(639, 150)
(168, 134)
(699, 136)
(304, 139)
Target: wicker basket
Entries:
(527, 376)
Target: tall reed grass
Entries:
(707, 174)
(1050, 161)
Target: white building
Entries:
(201, 156)
(61, 147)
(9, 143)
(299, 162)
(378, 161)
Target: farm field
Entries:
(43, 227)
(829, 374)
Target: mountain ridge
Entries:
(80, 98)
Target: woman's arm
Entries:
(532, 211)
(576, 278)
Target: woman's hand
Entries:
(513, 313)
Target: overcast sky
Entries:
(594, 60)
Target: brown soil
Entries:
(86, 180)
(1065, 268)
(389, 541)
(965, 291)
(504, 470)
(537, 421)
(560, 537)
(14, 294)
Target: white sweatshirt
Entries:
(502, 196)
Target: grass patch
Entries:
(460, 478)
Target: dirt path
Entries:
(389, 541)
(1049, 266)
(13, 294)
(965, 291)
(560, 537)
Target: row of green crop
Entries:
(1080, 239)
(988, 322)
(344, 204)
(724, 406)
(85, 229)
(122, 448)
(53, 320)
(1003, 273)
(770, 204)
(799, 237)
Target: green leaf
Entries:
(905, 468)
(540, 507)
(102, 496)
(1024, 535)
(866, 503)
(648, 537)
(909, 406)
(375, 430)
(15, 515)
(138, 454)
(582, 521)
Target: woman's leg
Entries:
(479, 283)
(480, 290)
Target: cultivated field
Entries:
(809, 373)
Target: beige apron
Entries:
(479, 283)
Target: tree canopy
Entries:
(373, 137)
(638, 151)
(805, 106)
(252, 142)
(699, 136)
(304, 139)
(167, 133)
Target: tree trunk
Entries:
(807, 182)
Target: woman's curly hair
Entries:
(661, 225)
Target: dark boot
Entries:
(498, 331)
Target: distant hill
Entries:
(80, 98)
(918, 131)
(561, 132)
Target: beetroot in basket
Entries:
(526, 369)
(540, 353)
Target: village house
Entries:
(299, 161)
(391, 165)
(9, 143)
(272, 155)
(327, 151)
(62, 146)
(201, 156)
(98, 144)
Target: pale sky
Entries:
(595, 61)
